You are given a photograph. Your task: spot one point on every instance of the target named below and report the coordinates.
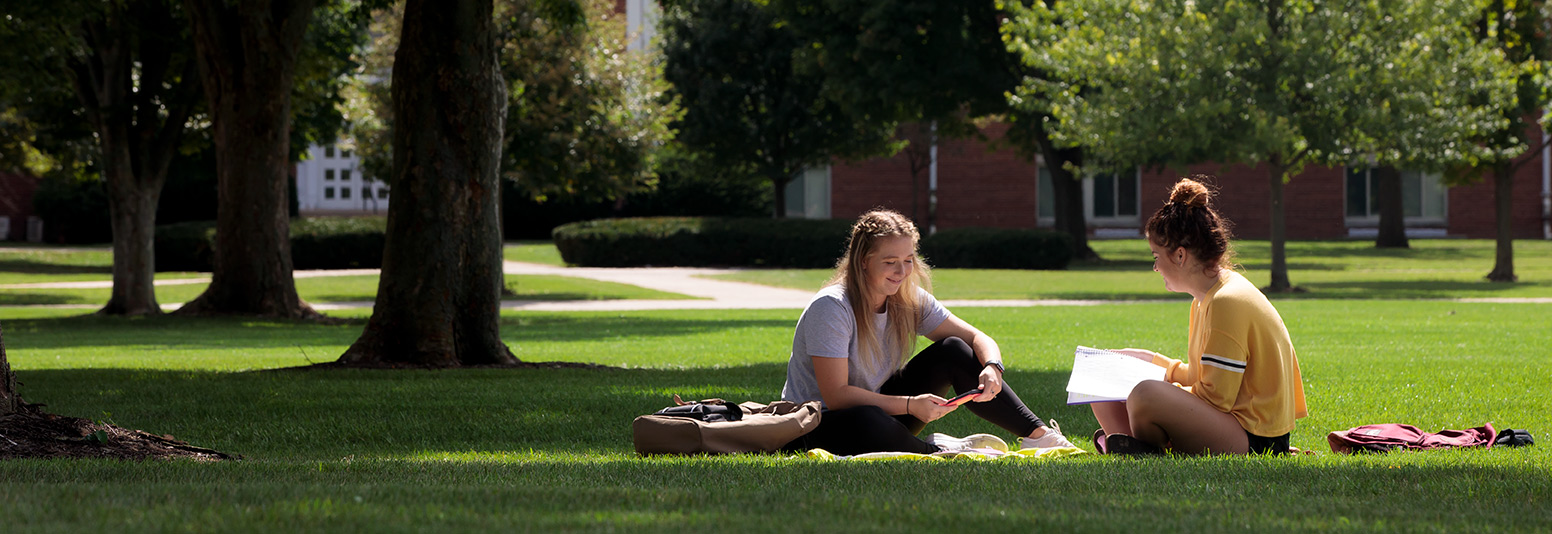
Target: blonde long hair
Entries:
(904, 307)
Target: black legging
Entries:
(950, 362)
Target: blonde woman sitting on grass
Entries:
(851, 347)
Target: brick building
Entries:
(17, 219)
(981, 187)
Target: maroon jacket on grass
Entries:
(1392, 436)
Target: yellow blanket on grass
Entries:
(973, 455)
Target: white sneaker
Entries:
(1051, 438)
(973, 441)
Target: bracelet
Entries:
(908, 406)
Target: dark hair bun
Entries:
(1190, 192)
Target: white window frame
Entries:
(1121, 221)
(1373, 219)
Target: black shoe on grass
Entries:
(1124, 444)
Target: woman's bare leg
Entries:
(1170, 417)
(1112, 417)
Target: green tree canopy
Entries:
(584, 116)
(745, 106)
(1280, 83)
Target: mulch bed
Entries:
(32, 433)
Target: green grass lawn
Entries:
(541, 252)
(549, 449)
(1432, 268)
(361, 288)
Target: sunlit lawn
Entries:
(542, 252)
(1432, 268)
(549, 449)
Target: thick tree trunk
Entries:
(1068, 190)
(1279, 231)
(779, 193)
(132, 208)
(1503, 203)
(10, 402)
(438, 301)
(248, 55)
(137, 85)
(1392, 231)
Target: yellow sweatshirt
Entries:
(1241, 359)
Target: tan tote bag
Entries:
(763, 428)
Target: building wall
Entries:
(330, 182)
(998, 188)
(16, 192)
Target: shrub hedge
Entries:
(794, 243)
(998, 248)
(702, 242)
(317, 243)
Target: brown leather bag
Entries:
(763, 428)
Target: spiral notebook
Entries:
(1102, 376)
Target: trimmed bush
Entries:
(188, 246)
(703, 242)
(997, 248)
(338, 242)
(317, 243)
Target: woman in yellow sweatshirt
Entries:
(1239, 390)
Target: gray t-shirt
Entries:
(827, 329)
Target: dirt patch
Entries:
(32, 433)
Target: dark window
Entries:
(328, 174)
(382, 193)
(344, 192)
(1045, 198)
(328, 152)
(328, 192)
(345, 175)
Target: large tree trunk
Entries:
(132, 204)
(1068, 190)
(438, 301)
(10, 402)
(248, 53)
(129, 84)
(1503, 203)
(779, 193)
(1279, 231)
(1392, 231)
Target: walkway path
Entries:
(710, 294)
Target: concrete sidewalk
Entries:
(709, 294)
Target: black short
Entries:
(1263, 445)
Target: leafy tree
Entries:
(131, 68)
(584, 120)
(438, 300)
(1280, 84)
(253, 56)
(941, 64)
(746, 109)
(1517, 29)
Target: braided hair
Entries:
(904, 307)
(1188, 220)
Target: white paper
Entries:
(1102, 375)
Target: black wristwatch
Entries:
(998, 365)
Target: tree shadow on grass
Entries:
(1404, 289)
(38, 267)
(330, 414)
(236, 333)
(13, 297)
(367, 430)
